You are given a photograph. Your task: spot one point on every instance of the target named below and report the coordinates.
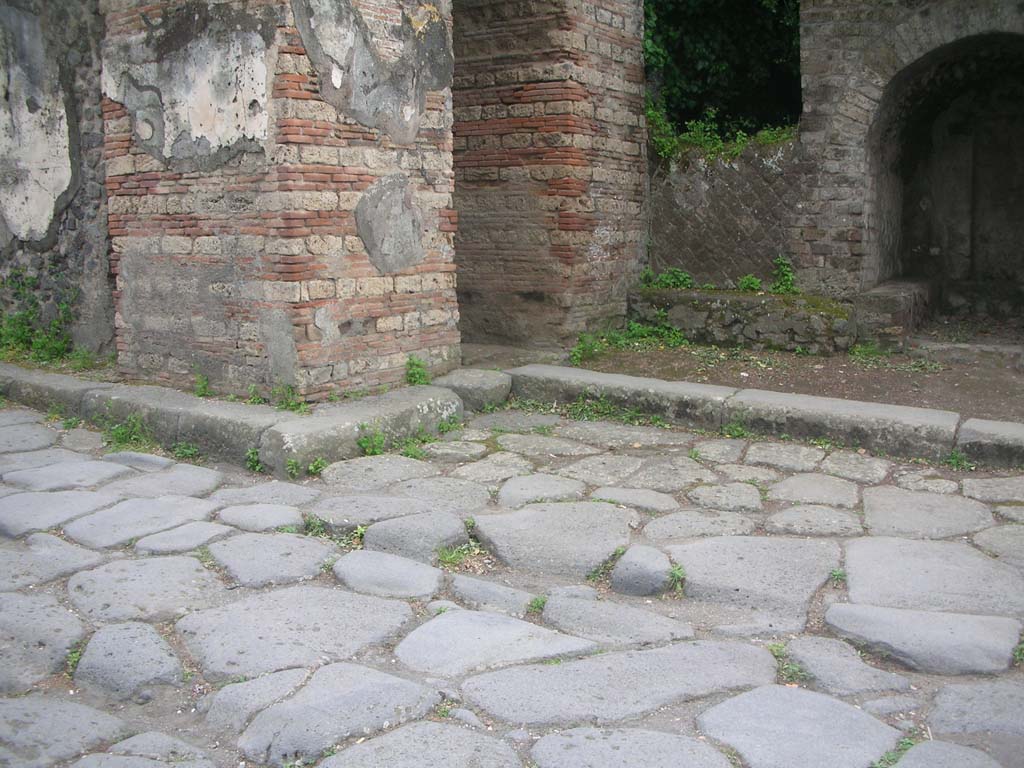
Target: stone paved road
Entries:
(835, 604)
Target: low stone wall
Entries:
(729, 318)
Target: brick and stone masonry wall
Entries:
(52, 204)
(280, 181)
(549, 159)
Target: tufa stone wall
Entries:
(52, 206)
(280, 190)
(550, 165)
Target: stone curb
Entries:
(228, 431)
(894, 429)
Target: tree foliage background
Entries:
(733, 63)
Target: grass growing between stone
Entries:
(536, 606)
(893, 756)
(789, 672)
(677, 581)
(128, 435)
(73, 658)
(602, 573)
(589, 408)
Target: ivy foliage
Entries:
(722, 70)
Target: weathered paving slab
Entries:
(1013, 511)
(815, 520)
(154, 745)
(605, 469)
(339, 701)
(942, 754)
(567, 539)
(259, 559)
(669, 475)
(144, 462)
(999, 443)
(815, 488)
(29, 738)
(281, 629)
(371, 472)
(12, 416)
(122, 658)
(770, 579)
(989, 709)
(41, 558)
(837, 669)
(731, 497)
(689, 523)
(637, 498)
(779, 727)
(944, 643)
(458, 642)
(478, 388)
(260, 517)
(66, 475)
(15, 438)
(495, 468)
(182, 539)
(892, 511)
(531, 489)
(445, 494)
(927, 480)
(931, 576)
(455, 451)
(642, 681)
(81, 439)
(720, 450)
(623, 747)
(344, 513)
(991, 489)
(378, 573)
(786, 456)
(539, 446)
(417, 537)
(23, 513)
(272, 492)
(613, 624)
(153, 589)
(1005, 542)
(514, 421)
(641, 570)
(14, 462)
(488, 596)
(36, 633)
(232, 707)
(856, 466)
(135, 518)
(427, 745)
(179, 480)
(609, 435)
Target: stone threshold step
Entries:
(893, 429)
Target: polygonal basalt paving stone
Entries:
(120, 659)
(40, 731)
(720, 451)
(669, 475)
(637, 498)
(787, 456)
(689, 523)
(992, 489)
(291, 627)
(179, 480)
(154, 745)
(540, 446)
(339, 701)
(641, 570)
(427, 745)
(488, 596)
(530, 489)
(67, 475)
(154, 589)
(815, 488)
(732, 497)
(856, 466)
(12, 416)
(455, 451)
(779, 727)
(342, 514)
(565, 539)
(1012, 511)
(182, 539)
(892, 511)
(495, 468)
(931, 576)
(770, 580)
(927, 481)
(144, 462)
(36, 634)
(24, 512)
(815, 520)
(1005, 542)
(836, 668)
(384, 575)
(135, 518)
(418, 537)
(260, 517)
(927, 641)
(233, 706)
(989, 710)
(81, 439)
(445, 494)
(616, 686)
(941, 754)
(514, 421)
(259, 559)
(371, 472)
(458, 642)
(14, 462)
(41, 558)
(613, 624)
(16, 438)
(623, 747)
(743, 473)
(273, 492)
(605, 469)
(608, 435)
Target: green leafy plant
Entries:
(677, 580)
(604, 570)
(292, 468)
(673, 277)
(957, 460)
(749, 284)
(536, 605)
(130, 434)
(412, 449)
(452, 558)
(694, 454)
(201, 388)
(354, 538)
(186, 451)
(788, 670)
(255, 398)
(371, 441)
(73, 657)
(737, 430)
(285, 399)
(314, 526)
(783, 276)
(416, 371)
(317, 466)
(450, 424)
(82, 359)
(838, 577)
(1018, 654)
(252, 461)
(893, 756)
(71, 422)
(867, 352)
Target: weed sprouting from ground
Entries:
(293, 468)
(73, 658)
(316, 466)
(958, 461)
(893, 756)
(186, 452)
(789, 671)
(604, 571)
(130, 434)
(536, 605)
(736, 429)
(416, 371)
(252, 461)
(371, 441)
(837, 576)
(677, 580)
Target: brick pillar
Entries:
(550, 165)
(279, 176)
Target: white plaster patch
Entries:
(35, 145)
